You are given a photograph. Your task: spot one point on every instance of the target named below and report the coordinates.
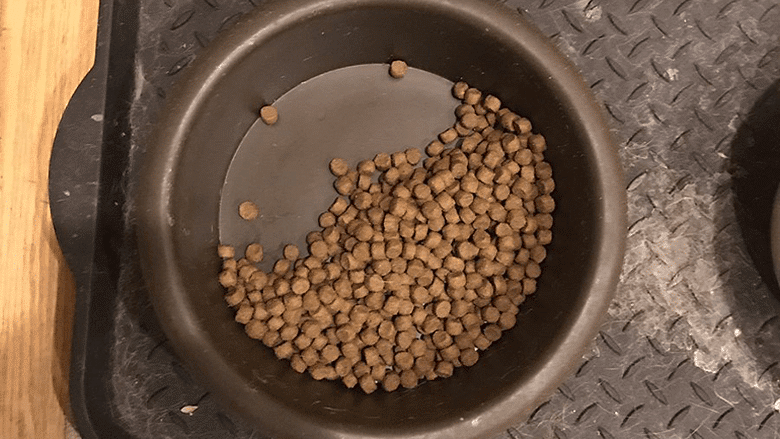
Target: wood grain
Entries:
(46, 47)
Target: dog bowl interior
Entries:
(189, 190)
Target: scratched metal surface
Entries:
(692, 344)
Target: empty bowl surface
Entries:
(323, 64)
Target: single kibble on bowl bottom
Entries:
(248, 210)
(418, 266)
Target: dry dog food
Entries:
(269, 115)
(398, 69)
(418, 265)
(248, 210)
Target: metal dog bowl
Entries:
(303, 56)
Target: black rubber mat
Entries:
(692, 345)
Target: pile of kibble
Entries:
(416, 267)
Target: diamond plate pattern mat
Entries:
(692, 344)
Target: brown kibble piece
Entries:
(503, 229)
(472, 96)
(226, 251)
(366, 167)
(444, 369)
(545, 204)
(467, 250)
(418, 315)
(387, 330)
(506, 118)
(491, 103)
(543, 237)
(317, 276)
(510, 143)
(425, 364)
(298, 364)
(546, 186)
(537, 143)
(502, 303)
(471, 320)
(496, 212)
(463, 198)
(344, 185)
(431, 324)
(319, 250)
(302, 341)
(404, 338)
(282, 266)
(230, 264)
(532, 270)
(343, 367)
(434, 148)
(420, 295)
(391, 381)
(441, 339)
(386, 351)
(459, 309)
(367, 384)
(413, 156)
(346, 333)
(256, 329)
(300, 285)
(543, 170)
(469, 357)
(398, 69)
(274, 324)
(450, 353)
(235, 295)
(291, 252)
(382, 161)
(310, 356)
(248, 210)
(538, 254)
(321, 372)
(481, 342)
(479, 206)
(375, 300)
(330, 353)
(491, 314)
(448, 136)
(284, 350)
(289, 331)
(369, 336)
(350, 350)
(522, 125)
(361, 200)
(350, 381)
(404, 360)
(470, 120)
(418, 348)
(271, 339)
(453, 327)
(269, 115)
(445, 201)
(399, 159)
(409, 379)
(459, 90)
(339, 206)
(442, 309)
(492, 332)
(228, 278)
(523, 157)
(339, 167)
(507, 321)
